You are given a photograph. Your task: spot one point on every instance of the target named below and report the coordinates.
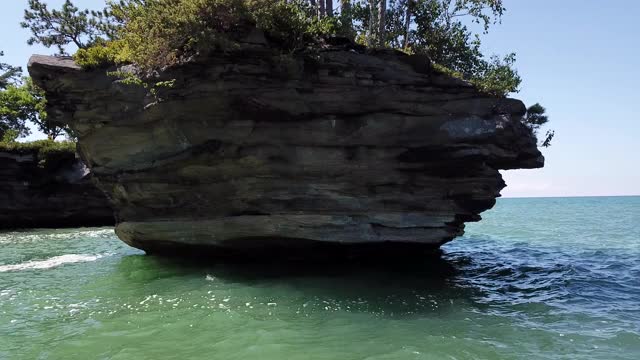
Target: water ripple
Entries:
(536, 279)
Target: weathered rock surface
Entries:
(55, 196)
(252, 149)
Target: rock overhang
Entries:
(346, 148)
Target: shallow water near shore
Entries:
(555, 278)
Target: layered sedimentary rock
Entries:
(56, 194)
(250, 148)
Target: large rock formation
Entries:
(251, 148)
(54, 194)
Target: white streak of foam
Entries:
(50, 263)
(65, 234)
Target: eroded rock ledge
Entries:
(251, 149)
(57, 195)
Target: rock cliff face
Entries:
(251, 149)
(55, 196)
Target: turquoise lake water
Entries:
(555, 278)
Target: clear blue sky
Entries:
(579, 58)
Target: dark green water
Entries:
(537, 279)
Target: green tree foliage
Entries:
(155, 34)
(69, 25)
(12, 119)
(439, 29)
(17, 107)
(21, 103)
(535, 118)
(496, 76)
(8, 74)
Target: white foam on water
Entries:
(38, 235)
(50, 263)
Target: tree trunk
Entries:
(329, 8)
(407, 24)
(321, 9)
(382, 11)
(372, 23)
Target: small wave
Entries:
(50, 263)
(38, 235)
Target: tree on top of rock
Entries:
(155, 34)
(69, 25)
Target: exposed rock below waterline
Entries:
(254, 149)
(58, 195)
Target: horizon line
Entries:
(563, 196)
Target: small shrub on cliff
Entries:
(154, 34)
(103, 54)
(159, 33)
(49, 153)
(292, 24)
(534, 119)
(496, 77)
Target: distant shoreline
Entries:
(565, 197)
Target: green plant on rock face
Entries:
(497, 76)
(103, 54)
(128, 78)
(548, 137)
(534, 119)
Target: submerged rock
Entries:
(252, 149)
(52, 195)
